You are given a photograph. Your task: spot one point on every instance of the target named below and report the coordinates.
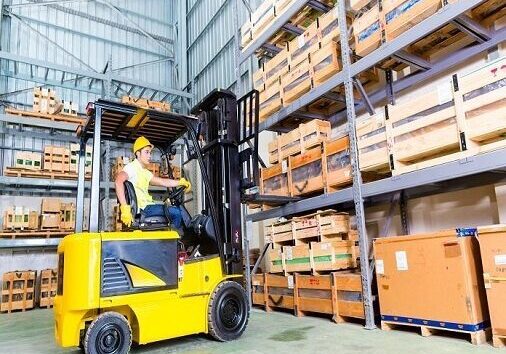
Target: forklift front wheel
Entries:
(109, 333)
(228, 311)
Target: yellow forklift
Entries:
(151, 282)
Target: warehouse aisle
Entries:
(32, 332)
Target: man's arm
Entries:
(164, 182)
(120, 187)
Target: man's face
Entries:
(144, 155)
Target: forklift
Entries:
(151, 282)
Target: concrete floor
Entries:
(32, 332)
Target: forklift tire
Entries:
(228, 311)
(109, 333)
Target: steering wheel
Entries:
(176, 197)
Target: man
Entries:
(137, 173)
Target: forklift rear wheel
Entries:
(109, 333)
(228, 311)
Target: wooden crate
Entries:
(276, 261)
(338, 294)
(45, 101)
(325, 63)
(423, 129)
(118, 165)
(333, 255)
(117, 223)
(273, 150)
(259, 79)
(302, 46)
(373, 150)
(307, 172)
(50, 205)
(306, 229)
(333, 225)
(67, 216)
(246, 33)
(69, 108)
(74, 158)
(154, 168)
(297, 258)
(279, 292)
(493, 258)
(296, 82)
(258, 293)
(337, 160)
(358, 4)
(28, 160)
(289, 144)
(145, 103)
(280, 233)
(481, 102)
(432, 281)
(367, 31)
(20, 218)
(274, 180)
(18, 291)
(313, 133)
(275, 68)
(328, 28)
(270, 101)
(56, 158)
(48, 285)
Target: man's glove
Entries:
(126, 214)
(183, 182)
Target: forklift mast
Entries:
(219, 132)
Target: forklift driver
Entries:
(137, 173)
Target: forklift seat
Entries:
(142, 222)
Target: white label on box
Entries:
(290, 282)
(288, 253)
(284, 167)
(380, 266)
(444, 93)
(402, 260)
(500, 259)
(301, 41)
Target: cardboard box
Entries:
(50, 221)
(492, 240)
(67, 216)
(28, 160)
(50, 205)
(432, 280)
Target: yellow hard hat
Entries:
(140, 143)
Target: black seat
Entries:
(142, 222)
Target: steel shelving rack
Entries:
(476, 170)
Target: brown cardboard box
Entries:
(49, 221)
(492, 240)
(431, 280)
(50, 205)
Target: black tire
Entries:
(109, 333)
(228, 311)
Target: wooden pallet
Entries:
(35, 233)
(48, 285)
(51, 117)
(477, 337)
(18, 291)
(15, 172)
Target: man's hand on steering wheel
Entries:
(176, 196)
(183, 182)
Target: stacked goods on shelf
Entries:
(50, 213)
(19, 218)
(432, 281)
(145, 103)
(18, 290)
(28, 160)
(121, 161)
(56, 159)
(67, 216)
(74, 158)
(319, 242)
(460, 118)
(45, 101)
(493, 258)
(47, 286)
(69, 108)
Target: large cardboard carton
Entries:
(432, 280)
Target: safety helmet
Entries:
(140, 143)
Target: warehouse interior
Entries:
(338, 168)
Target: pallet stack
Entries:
(459, 119)
(74, 158)
(56, 159)
(45, 101)
(50, 214)
(312, 267)
(145, 103)
(306, 162)
(18, 291)
(47, 286)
